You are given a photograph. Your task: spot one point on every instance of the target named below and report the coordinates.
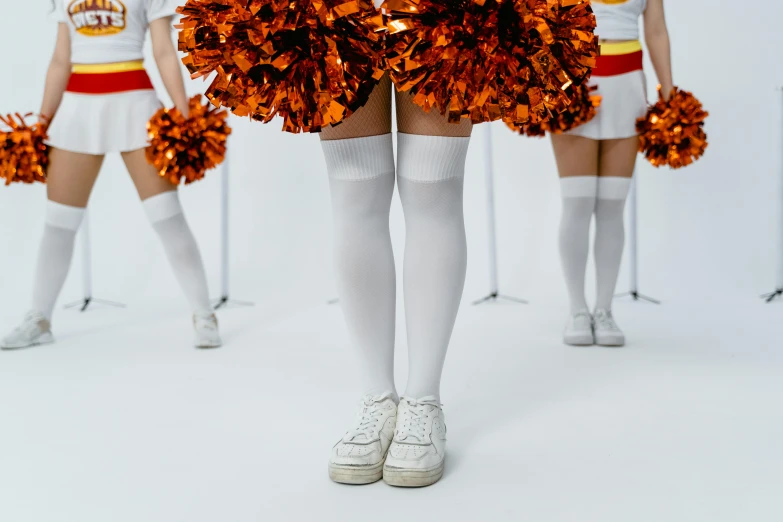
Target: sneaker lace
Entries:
(368, 418)
(413, 419)
(29, 323)
(605, 321)
(582, 319)
(206, 322)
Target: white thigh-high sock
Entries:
(361, 179)
(54, 255)
(164, 212)
(430, 177)
(609, 236)
(579, 195)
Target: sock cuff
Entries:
(429, 159)
(613, 187)
(63, 216)
(162, 206)
(359, 159)
(579, 186)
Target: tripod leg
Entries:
(512, 299)
(648, 299)
(490, 297)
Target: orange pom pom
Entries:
(582, 107)
(24, 155)
(490, 59)
(185, 148)
(672, 132)
(313, 63)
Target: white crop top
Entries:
(109, 31)
(618, 19)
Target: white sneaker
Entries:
(207, 334)
(358, 457)
(418, 450)
(607, 333)
(34, 330)
(579, 329)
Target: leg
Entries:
(360, 164)
(431, 155)
(616, 168)
(577, 162)
(161, 203)
(70, 179)
(69, 183)
(618, 158)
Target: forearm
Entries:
(660, 54)
(171, 74)
(56, 81)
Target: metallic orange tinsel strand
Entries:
(583, 106)
(24, 155)
(490, 59)
(672, 132)
(313, 62)
(185, 148)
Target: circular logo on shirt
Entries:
(97, 17)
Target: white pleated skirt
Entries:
(623, 101)
(103, 123)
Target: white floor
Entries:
(122, 421)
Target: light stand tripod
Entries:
(778, 292)
(84, 303)
(633, 246)
(225, 295)
(489, 171)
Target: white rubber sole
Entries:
(46, 338)
(610, 341)
(412, 478)
(204, 345)
(356, 475)
(580, 339)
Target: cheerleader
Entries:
(596, 161)
(429, 176)
(99, 99)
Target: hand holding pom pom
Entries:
(583, 105)
(185, 148)
(672, 132)
(23, 154)
(313, 63)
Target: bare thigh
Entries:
(145, 177)
(575, 155)
(618, 157)
(71, 176)
(412, 119)
(373, 119)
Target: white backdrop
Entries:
(707, 232)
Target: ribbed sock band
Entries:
(579, 187)
(162, 206)
(64, 216)
(359, 159)
(429, 159)
(613, 187)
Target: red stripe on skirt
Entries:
(109, 83)
(614, 65)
